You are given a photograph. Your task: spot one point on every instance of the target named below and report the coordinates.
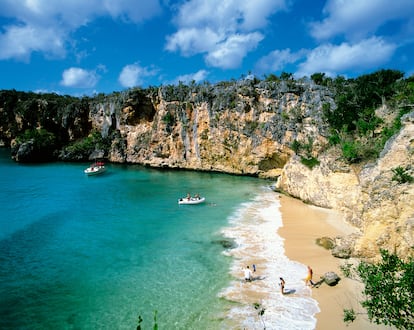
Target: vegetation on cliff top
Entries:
(354, 123)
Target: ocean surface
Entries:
(79, 252)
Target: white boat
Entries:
(95, 168)
(191, 200)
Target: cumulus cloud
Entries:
(79, 78)
(228, 14)
(45, 26)
(134, 75)
(333, 59)
(226, 36)
(230, 53)
(193, 41)
(358, 19)
(20, 41)
(277, 60)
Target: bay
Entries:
(80, 252)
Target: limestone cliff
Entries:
(369, 198)
(239, 129)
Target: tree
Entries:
(272, 77)
(318, 77)
(286, 76)
(389, 291)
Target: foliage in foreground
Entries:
(389, 291)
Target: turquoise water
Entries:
(80, 252)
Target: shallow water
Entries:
(254, 227)
(80, 252)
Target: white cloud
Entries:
(197, 77)
(79, 78)
(230, 53)
(255, 13)
(224, 30)
(227, 14)
(19, 42)
(45, 26)
(277, 60)
(193, 41)
(133, 75)
(132, 10)
(358, 19)
(331, 59)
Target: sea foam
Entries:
(254, 228)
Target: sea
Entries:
(116, 251)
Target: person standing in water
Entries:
(282, 285)
(308, 279)
(247, 274)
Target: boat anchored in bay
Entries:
(188, 200)
(95, 169)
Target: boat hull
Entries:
(95, 170)
(191, 201)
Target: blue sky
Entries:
(83, 47)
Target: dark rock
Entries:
(23, 152)
(331, 278)
(225, 243)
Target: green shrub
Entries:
(334, 139)
(87, 145)
(351, 151)
(41, 137)
(349, 316)
(168, 118)
(401, 175)
(296, 146)
(309, 162)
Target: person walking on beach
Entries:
(282, 285)
(308, 279)
(247, 274)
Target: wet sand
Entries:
(302, 225)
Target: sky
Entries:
(86, 47)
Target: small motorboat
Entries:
(95, 168)
(191, 200)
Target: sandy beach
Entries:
(302, 225)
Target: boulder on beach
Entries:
(331, 278)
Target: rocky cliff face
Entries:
(234, 129)
(369, 198)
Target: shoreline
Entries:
(302, 225)
(255, 231)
